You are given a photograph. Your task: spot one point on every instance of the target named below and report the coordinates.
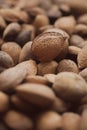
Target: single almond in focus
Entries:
(64, 48)
(67, 65)
(47, 46)
(38, 94)
(70, 86)
(47, 68)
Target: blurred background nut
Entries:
(65, 86)
(49, 120)
(14, 15)
(21, 105)
(5, 60)
(3, 126)
(54, 13)
(36, 79)
(27, 34)
(50, 78)
(17, 120)
(13, 49)
(26, 53)
(60, 105)
(40, 20)
(83, 73)
(11, 31)
(82, 19)
(67, 65)
(4, 102)
(76, 40)
(70, 121)
(2, 24)
(47, 68)
(33, 12)
(36, 94)
(83, 123)
(67, 23)
(81, 29)
(82, 58)
(74, 50)
(17, 74)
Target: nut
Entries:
(13, 49)
(47, 46)
(67, 65)
(82, 58)
(67, 23)
(70, 86)
(47, 68)
(36, 94)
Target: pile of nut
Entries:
(43, 64)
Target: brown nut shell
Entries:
(47, 46)
(82, 58)
(47, 68)
(70, 86)
(66, 23)
(67, 65)
(49, 120)
(36, 94)
(6, 60)
(17, 120)
(13, 49)
(70, 121)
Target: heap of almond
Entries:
(43, 65)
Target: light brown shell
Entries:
(6, 60)
(66, 23)
(70, 121)
(67, 65)
(74, 50)
(13, 49)
(26, 53)
(47, 68)
(49, 120)
(11, 31)
(15, 75)
(82, 58)
(4, 102)
(70, 86)
(38, 94)
(17, 120)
